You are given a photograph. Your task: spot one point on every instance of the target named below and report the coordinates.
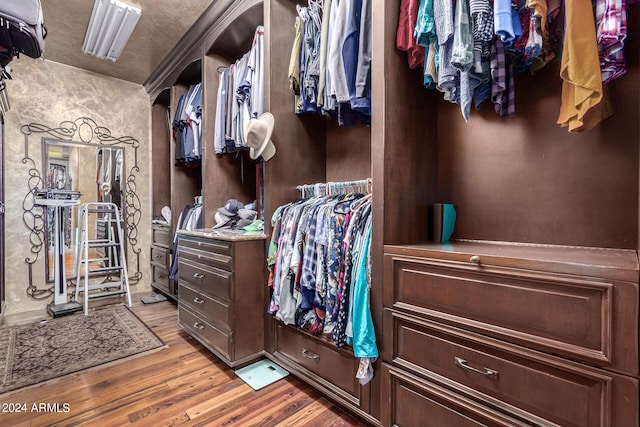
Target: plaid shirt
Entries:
(611, 32)
(503, 85)
(482, 20)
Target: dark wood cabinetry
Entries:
(161, 260)
(541, 330)
(221, 295)
(542, 334)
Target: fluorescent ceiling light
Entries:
(110, 26)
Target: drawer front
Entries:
(217, 339)
(210, 259)
(558, 314)
(160, 278)
(210, 309)
(418, 403)
(338, 367)
(160, 236)
(221, 247)
(160, 256)
(207, 280)
(557, 391)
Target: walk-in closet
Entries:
(539, 281)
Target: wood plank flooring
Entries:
(180, 385)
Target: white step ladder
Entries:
(112, 261)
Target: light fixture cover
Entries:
(110, 26)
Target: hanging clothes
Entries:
(330, 63)
(319, 266)
(474, 49)
(240, 97)
(190, 219)
(187, 127)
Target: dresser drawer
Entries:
(556, 313)
(160, 278)
(540, 386)
(210, 309)
(160, 256)
(207, 280)
(221, 247)
(413, 402)
(160, 235)
(212, 337)
(210, 259)
(338, 367)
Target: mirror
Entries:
(97, 173)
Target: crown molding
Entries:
(196, 42)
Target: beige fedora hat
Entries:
(257, 136)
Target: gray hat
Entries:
(231, 208)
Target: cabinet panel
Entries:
(336, 366)
(221, 247)
(558, 314)
(562, 392)
(210, 309)
(418, 403)
(218, 340)
(160, 278)
(160, 256)
(160, 236)
(210, 259)
(208, 280)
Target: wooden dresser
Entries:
(221, 288)
(510, 334)
(161, 260)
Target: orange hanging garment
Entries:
(584, 104)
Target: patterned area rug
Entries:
(38, 352)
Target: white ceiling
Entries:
(162, 23)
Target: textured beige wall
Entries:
(50, 93)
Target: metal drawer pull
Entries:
(198, 326)
(484, 371)
(198, 275)
(308, 355)
(198, 300)
(475, 259)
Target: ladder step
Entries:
(106, 270)
(104, 286)
(103, 245)
(105, 210)
(106, 294)
(93, 260)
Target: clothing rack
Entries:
(363, 186)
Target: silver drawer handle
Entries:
(475, 259)
(484, 371)
(198, 275)
(308, 355)
(198, 326)
(198, 300)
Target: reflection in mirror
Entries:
(97, 172)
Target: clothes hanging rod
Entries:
(331, 187)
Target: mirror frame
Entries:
(86, 131)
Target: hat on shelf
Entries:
(166, 213)
(247, 214)
(220, 219)
(230, 209)
(257, 136)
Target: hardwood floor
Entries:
(180, 385)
